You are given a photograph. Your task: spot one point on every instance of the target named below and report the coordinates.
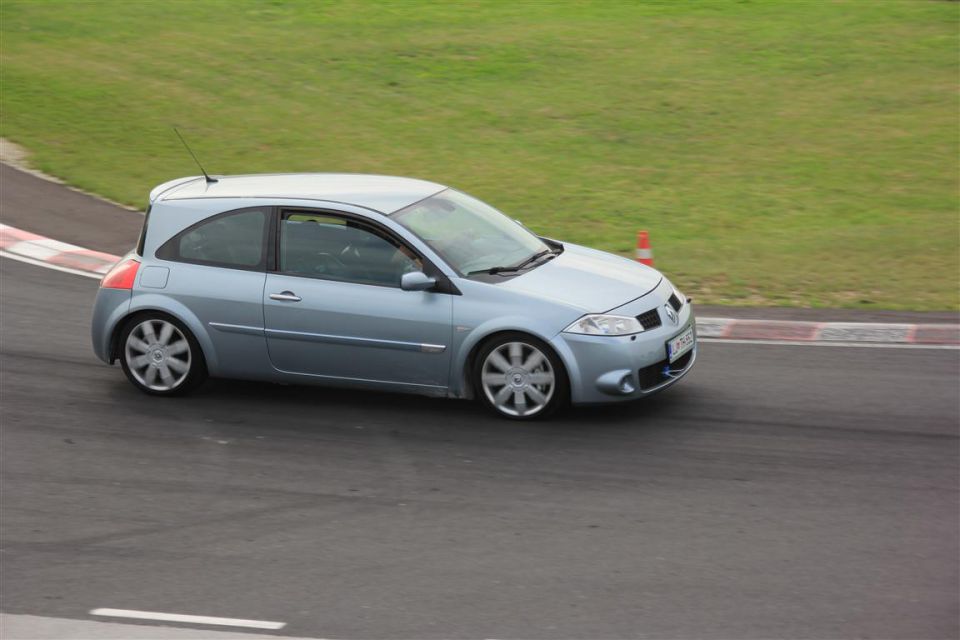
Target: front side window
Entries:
(470, 235)
(327, 246)
(235, 239)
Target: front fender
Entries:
(466, 342)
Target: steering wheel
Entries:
(349, 252)
(328, 263)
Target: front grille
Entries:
(675, 302)
(653, 376)
(649, 320)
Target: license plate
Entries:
(679, 345)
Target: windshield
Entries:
(470, 235)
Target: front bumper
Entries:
(607, 369)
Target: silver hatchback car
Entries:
(382, 283)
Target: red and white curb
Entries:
(35, 249)
(795, 331)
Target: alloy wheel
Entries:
(158, 355)
(518, 379)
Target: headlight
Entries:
(600, 324)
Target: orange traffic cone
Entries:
(644, 252)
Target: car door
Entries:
(333, 306)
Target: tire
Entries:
(520, 377)
(160, 356)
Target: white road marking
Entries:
(27, 627)
(179, 617)
(55, 267)
(832, 343)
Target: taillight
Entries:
(121, 276)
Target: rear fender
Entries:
(155, 302)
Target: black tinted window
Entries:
(230, 240)
(325, 246)
(143, 231)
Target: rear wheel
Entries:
(160, 356)
(520, 377)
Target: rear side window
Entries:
(236, 239)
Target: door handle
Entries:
(286, 296)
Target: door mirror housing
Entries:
(417, 281)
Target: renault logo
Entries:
(671, 314)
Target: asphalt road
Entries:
(54, 211)
(779, 491)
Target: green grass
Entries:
(779, 153)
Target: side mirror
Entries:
(416, 281)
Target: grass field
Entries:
(779, 153)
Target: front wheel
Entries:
(160, 356)
(520, 377)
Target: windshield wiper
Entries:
(516, 267)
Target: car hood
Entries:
(586, 278)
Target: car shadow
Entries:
(312, 407)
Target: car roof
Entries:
(385, 194)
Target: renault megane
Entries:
(382, 282)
